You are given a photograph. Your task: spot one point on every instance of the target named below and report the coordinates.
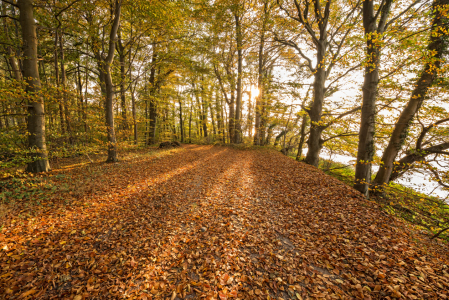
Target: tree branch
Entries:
(339, 135)
(114, 29)
(342, 115)
(293, 45)
(437, 176)
(6, 16)
(400, 14)
(426, 130)
(220, 82)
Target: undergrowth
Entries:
(68, 181)
(424, 211)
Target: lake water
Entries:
(417, 181)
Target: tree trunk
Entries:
(302, 137)
(83, 105)
(112, 142)
(122, 55)
(153, 108)
(231, 119)
(259, 99)
(269, 134)
(366, 149)
(147, 125)
(107, 85)
(315, 142)
(199, 123)
(190, 122)
(436, 48)
(60, 103)
(64, 92)
(36, 114)
(203, 108)
(238, 104)
(224, 114)
(220, 118)
(262, 128)
(250, 117)
(204, 117)
(181, 121)
(210, 107)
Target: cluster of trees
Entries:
(358, 77)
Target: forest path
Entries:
(216, 223)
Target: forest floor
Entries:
(208, 222)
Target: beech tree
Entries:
(36, 110)
(438, 45)
(375, 24)
(104, 60)
(327, 45)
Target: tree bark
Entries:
(302, 137)
(250, 117)
(238, 104)
(315, 142)
(436, 48)
(366, 148)
(220, 117)
(190, 122)
(269, 134)
(231, 118)
(214, 129)
(64, 92)
(107, 85)
(60, 103)
(36, 113)
(122, 56)
(83, 105)
(203, 108)
(153, 108)
(259, 99)
(181, 121)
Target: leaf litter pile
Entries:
(210, 222)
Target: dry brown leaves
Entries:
(216, 223)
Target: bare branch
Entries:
(6, 16)
(400, 14)
(340, 135)
(437, 176)
(342, 116)
(217, 73)
(426, 130)
(439, 232)
(114, 29)
(293, 45)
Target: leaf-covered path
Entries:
(216, 223)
